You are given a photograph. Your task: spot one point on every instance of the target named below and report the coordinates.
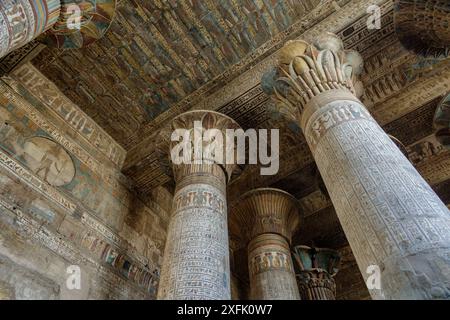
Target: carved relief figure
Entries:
(49, 161)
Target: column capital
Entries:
(423, 26)
(318, 259)
(441, 122)
(188, 144)
(316, 268)
(95, 19)
(308, 72)
(264, 210)
(400, 145)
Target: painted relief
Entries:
(22, 138)
(32, 84)
(14, 192)
(49, 161)
(22, 20)
(46, 158)
(314, 202)
(269, 260)
(441, 122)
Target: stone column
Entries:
(423, 25)
(316, 270)
(266, 218)
(24, 20)
(396, 225)
(196, 257)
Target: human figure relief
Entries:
(50, 157)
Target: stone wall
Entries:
(64, 202)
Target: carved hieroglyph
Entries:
(196, 257)
(56, 103)
(265, 219)
(393, 220)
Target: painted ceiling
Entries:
(158, 52)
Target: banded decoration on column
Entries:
(423, 26)
(265, 219)
(23, 20)
(196, 258)
(391, 217)
(316, 270)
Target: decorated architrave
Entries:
(423, 25)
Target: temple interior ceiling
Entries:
(162, 58)
(156, 53)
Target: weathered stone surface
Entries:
(55, 193)
(17, 282)
(390, 215)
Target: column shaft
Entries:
(196, 257)
(23, 20)
(271, 270)
(390, 215)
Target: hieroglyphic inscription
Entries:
(390, 215)
(331, 117)
(196, 258)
